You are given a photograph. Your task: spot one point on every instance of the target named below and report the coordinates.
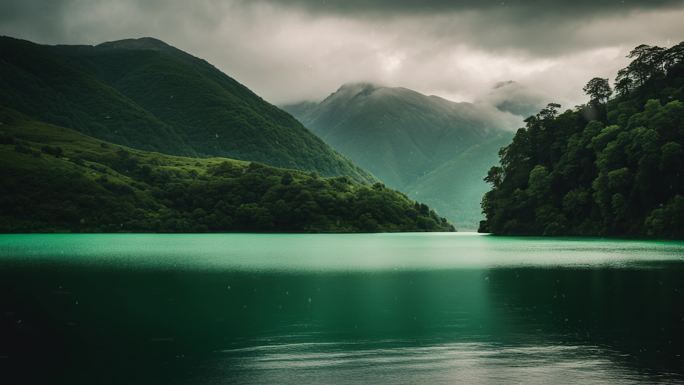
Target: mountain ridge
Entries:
(147, 94)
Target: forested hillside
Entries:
(57, 179)
(148, 95)
(612, 167)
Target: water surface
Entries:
(365, 308)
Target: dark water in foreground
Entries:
(339, 309)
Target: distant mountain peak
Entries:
(364, 91)
(358, 86)
(139, 43)
(504, 83)
(351, 90)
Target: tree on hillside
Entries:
(647, 61)
(598, 90)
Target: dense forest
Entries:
(146, 94)
(611, 167)
(57, 179)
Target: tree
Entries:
(623, 83)
(598, 90)
(673, 55)
(647, 61)
(549, 112)
(616, 172)
(539, 183)
(494, 176)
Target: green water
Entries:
(338, 309)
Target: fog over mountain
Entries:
(511, 96)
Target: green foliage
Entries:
(598, 90)
(54, 151)
(603, 169)
(148, 95)
(86, 185)
(668, 219)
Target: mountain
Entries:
(426, 146)
(148, 95)
(612, 167)
(56, 179)
(455, 188)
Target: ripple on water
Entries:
(398, 362)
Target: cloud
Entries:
(515, 98)
(385, 7)
(292, 50)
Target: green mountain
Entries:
(148, 95)
(58, 179)
(431, 148)
(456, 187)
(612, 167)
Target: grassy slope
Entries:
(93, 185)
(148, 95)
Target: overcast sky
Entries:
(293, 50)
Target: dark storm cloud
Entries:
(40, 16)
(434, 6)
(291, 50)
(536, 26)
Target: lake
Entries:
(432, 308)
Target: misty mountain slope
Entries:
(146, 94)
(403, 136)
(444, 187)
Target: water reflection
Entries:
(587, 325)
(66, 322)
(400, 362)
